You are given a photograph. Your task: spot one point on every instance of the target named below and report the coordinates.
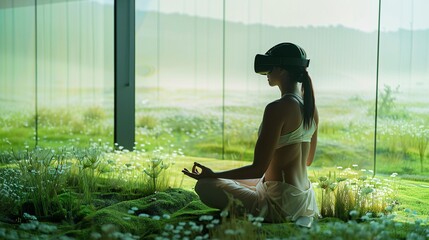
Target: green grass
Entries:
(119, 191)
(346, 137)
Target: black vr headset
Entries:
(284, 55)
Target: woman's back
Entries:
(292, 151)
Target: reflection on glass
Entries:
(56, 59)
(75, 77)
(179, 76)
(343, 65)
(17, 70)
(403, 132)
(195, 58)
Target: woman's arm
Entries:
(313, 142)
(264, 149)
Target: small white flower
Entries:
(215, 221)
(389, 208)
(206, 218)
(144, 215)
(258, 224)
(224, 213)
(168, 227)
(156, 217)
(95, 235)
(354, 213)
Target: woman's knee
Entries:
(210, 193)
(203, 185)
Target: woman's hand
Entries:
(205, 172)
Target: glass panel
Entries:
(75, 71)
(342, 48)
(403, 133)
(17, 70)
(179, 76)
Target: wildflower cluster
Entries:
(354, 190)
(110, 231)
(11, 188)
(183, 230)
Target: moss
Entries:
(177, 203)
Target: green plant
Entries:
(147, 121)
(158, 163)
(94, 114)
(352, 190)
(43, 173)
(422, 139)
(387, 106)
(88, 161)
(12, 191)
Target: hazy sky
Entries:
(358, 14)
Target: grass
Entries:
(85, 184)
(119, 205)
(342, 140)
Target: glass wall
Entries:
(403, 106)
(195, 86)
(56, 63)
(199, 60)
(341, 46)
(190, 42)
(179, 76)
(17, 72)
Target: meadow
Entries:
(77, 184)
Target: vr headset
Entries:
(283, 54)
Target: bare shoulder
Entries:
(286, 104)
(282, 108)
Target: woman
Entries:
(275, 186)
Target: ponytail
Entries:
(300, 75)
(309, 102)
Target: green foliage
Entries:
(404, 144)
(147, 121)
(158, 163)
(12, 191)
(388, 107)
(94, 114)
(43, 173)
(145, 216)
(64, 183)
(88, 160)
(355, 191)
(421, 139)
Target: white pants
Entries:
(272, 200)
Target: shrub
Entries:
(351, 190)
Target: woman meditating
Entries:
(275, 186)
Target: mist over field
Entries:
(176, 51)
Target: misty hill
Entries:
(190, 44)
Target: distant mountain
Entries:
(193, 45)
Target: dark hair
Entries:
(296, 67)
(301, 75)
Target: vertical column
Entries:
(124, 110)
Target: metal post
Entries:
(124, 39)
